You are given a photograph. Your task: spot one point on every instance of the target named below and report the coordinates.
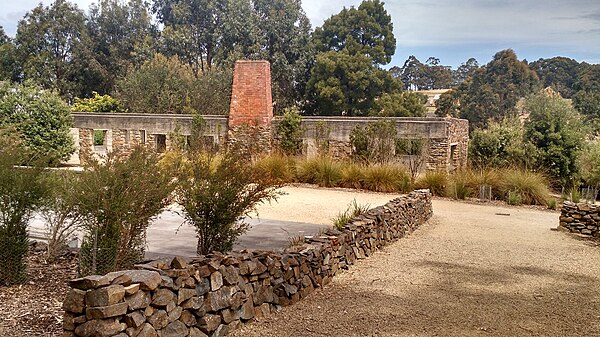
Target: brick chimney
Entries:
(251, 101)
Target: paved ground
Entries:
(474, 270)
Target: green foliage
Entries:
(118, 198)
(99, 136)
(354, 209)
(217, 193)
(41, 118)
(353, 176)
(589, 162)
(60, 210)
(21, 191)
(435, 181)
(289, 131)
(419, 76)
(320, 170)
(554, 127)
(166, 85)
(97, 103)
(558, 73)
(465, 71)
(524, 186)
(400, 104)
(55, 50)
(552, 203)
(375, 142)
(10, 68)
(276, 167)
(500, 144)
(459, 185)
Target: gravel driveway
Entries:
(473, 270)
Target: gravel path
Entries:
(473, 270)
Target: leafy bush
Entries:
(386, 178)
(21, 191)
(41, 118)
(118, 198)
(217, 193)
(589, 162)
(530, 187)
(375, 142)
(435, 181)
(500, 145)
(354, 209)
(97, 103)
(289, 131)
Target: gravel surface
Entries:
(473, 270)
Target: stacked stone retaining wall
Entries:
(580, 218)
(211, 295)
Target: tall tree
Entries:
(55, 48)
(559, 73)
(352, 45)
(413, 74)
(10, 68)
(437, 76)
(285, 40)
(465, 70)
(123, 37)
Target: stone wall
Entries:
(211, 295)
(580, 218)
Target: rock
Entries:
(217, 300)
(174, 314)
(148, 280)
(262, 311)
(208, 323)
(159, 319)
(185, 294)
(195, 332)
(162, 297)
(202, 272)
(179, 262)
(216, 281)
(114, 310)
(123, 280)
(68, 321)
(220, 331)
(89, 282)
(230, 275)
(187, 318)
(135, 319)
(175, 329)
(229, 315)
(290, 289)
(75, 301)
(132, 289)
(202, 287)
(147, 331)
(246, 312)
(139, 300)
(105, 296)
(263, 294)
(100, 328)
(192, 303)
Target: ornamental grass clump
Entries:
(523, 186)
(354, 209)
(353, 176)
(435, 181)
(386, 178)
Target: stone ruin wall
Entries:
(211, 295)
(580, 218)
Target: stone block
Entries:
(105, 296)
(208, 323)
(75, 301)
(162, 297)
(114, 310)
(139, 300)
(175, 329)
(148, 280)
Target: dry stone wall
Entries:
(580, 218)
(211, 295)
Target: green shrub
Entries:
(275, 167)
(514, 198)
(289, 131)
(353, 176)
(386, 178)
(531, 187)
(435, 181)
(552, 203)
(97, 103)
(375, 142)
(321, 170)
(485, 176)
(354, 209)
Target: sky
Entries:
(453, 30)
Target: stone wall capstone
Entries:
(211, 295)
(580, 218)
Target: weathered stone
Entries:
(147, 331)
(290, 289)
(246, 312)
(106, 311)
(262, 311)
(175, 329)
(208, 323)
(202, 287)
(221, 331)
(175, 314)
(132, 289)
(187, 318)
(230, 275)
(170, 306)
(139, 300)
(105, 296)
(263, 294)
(229, 315)
(216, 281)
(237, 299)
(233, 325)
(75, 301)
(89, 282)
(68, 334)
(159, 319)
(179, 262)
(149, 311)
(202, 272)
(217, 300)
(167, 282)
(195, 332)
(193, 303)
(123, 280)
(135, 319)
(162, 297)
(185, 294)
(68, 321)
(100, 328)
(148, 280)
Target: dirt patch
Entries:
(34, 308)
(469, 272)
